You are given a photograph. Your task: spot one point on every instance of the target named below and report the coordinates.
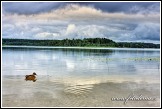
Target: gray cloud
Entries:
(30, 7)
(126, 7)
(39, 7)
(147, 31)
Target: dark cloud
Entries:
(125, 7)
(30, 7)
(148, 31)
(38, 7)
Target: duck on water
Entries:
(31, 77)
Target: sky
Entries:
(118, 21)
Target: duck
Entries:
(31, 77)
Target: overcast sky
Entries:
(119, 21)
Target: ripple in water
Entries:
(78, 89)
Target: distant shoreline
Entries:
(102, 48)
(80, 43)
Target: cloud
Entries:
(70, 29)
(35, 7)
(148, 31)
(43, 35)
(111, 7)
(77, 13)
(154, 8)
(125, 7)
(83, 21)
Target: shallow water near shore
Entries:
(48, 92)
(79, 77)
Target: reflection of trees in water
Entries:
(87, 51)
(65, 50)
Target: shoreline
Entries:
(62, 47)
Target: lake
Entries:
(79, 77)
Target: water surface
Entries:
(79, 72)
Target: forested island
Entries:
(86, 42)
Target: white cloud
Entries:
(46, 35)
(36, 29)
(43, 35)
(70, 29)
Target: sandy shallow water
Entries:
(50, 92)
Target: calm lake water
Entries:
(64, 62)
(78, 70)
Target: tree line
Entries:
(86, 42)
